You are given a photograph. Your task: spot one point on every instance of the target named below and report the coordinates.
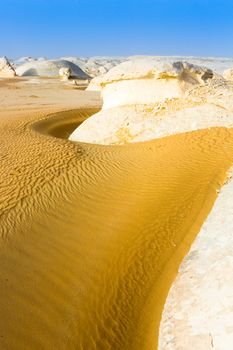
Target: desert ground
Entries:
(116, 212)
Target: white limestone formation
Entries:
(198, 313)
(95, 66)
(65, 73)
(6, 69)
(146, 81)
(50, 68)
(95, 84)
(144, 99)
(228, 74)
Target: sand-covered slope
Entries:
(93, 229)
(144, 99)
(50, 68)
(198, 310)
(91, 235)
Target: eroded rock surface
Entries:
(65, 73)
(146, 99)
(6, 69)
(228, 74)
(198, 312)
(50, 68)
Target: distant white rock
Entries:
(81, 62)
(92, 66)
(98, 65)
(217, 64)
(6, 69)
(145, 99)
(41, 59)
(95, 66)
(65, 73)
(25, 59)
(49, 68)
(228, 74)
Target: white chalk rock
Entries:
(128, 124)
(99, 66)
(147, 81)
(76, 60)
(95, 84)
(94, 66)
(6, 69)
(198, 312)
(50, 68)
(65, 73)
(228, 74)
(146, 99)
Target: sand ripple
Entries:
(91, 235)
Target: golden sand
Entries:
(91, 236)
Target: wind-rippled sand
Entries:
(91, 236)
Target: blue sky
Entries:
(55, 28)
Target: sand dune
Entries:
(73, 276)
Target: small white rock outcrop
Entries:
(6, 69)
(198, 312)
(95, 84)
(65, 73)
(228, 74)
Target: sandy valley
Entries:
(94, 228)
